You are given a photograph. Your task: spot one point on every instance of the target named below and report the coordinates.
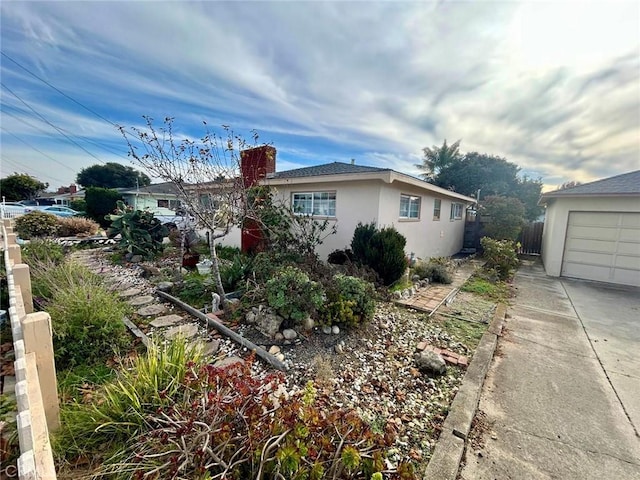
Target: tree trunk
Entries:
(216, 272)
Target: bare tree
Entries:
(205, 172)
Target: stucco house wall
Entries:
(557, 216)
(376, 198)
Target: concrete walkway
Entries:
(562, 395)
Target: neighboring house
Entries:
(592, 231)
(159, 198)
(431, 218)
(66, 195)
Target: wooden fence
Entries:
(36, 386)
(531, 238)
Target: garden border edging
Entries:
(445, 461)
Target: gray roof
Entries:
(335, 168)
(166, 188)
(624, 184)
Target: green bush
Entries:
(41, 250)
(233, 272)
(196, 290)
(340, 257)
(500, 255)
(293, 295)
(101, 202)
(225, 252)
(505, 217)
(36, 224)
(382, 250)
(350, 300)
(434, 272)
(87, 324)
(361, 243)
(79, 205)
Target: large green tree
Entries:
(437, 158)
(21, 186)
(100, 202)
(111, 175)
(491, 175)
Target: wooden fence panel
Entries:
(531, 239)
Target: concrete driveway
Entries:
(562, 397)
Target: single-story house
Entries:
(431, 218)
(592, 231)
(159, 198)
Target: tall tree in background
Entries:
(112, 175)
(437, 158)
(21, 186)
(491, 175)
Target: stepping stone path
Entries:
(139, 293)
(141, 300)
(166, 321)
(188, 330)
(151, 310)
(130, 292)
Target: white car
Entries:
(12, 209)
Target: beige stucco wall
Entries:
(373, 200)
(557, 216)
(426, 237)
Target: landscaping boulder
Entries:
(430, 362)
(265, 321)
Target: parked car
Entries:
(60, 211)
(12, 209)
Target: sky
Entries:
(553, 87)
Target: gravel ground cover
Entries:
(370, 369)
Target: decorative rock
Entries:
(149, 310)
(136, 259)
(289, 334)
(415, 278)
(335, 329)
(187, 331)
(339, 349)
(326, 329)
(128, 256)
(130, 292)
(166, 321)
(278, 336)
(250, 317)
(268, 323)
(430, 362)
(165, 286)
(140, 301)
(233, 301)
(280, 356)
(274, 350)
(211, 347)
(229, 362)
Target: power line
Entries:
(49, 123)
(57, 89)
(34, 148)
(113, 150)
(27, 169)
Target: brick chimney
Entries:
(73, 189)
(255, 164)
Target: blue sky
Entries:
(552, 86)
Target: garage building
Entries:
(592, 231)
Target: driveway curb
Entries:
(448, 452)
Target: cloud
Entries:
(327, 81)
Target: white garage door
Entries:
(603, 246)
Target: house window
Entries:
(437, 205)
(409, 206)
(315, 203)
(163, 203)
(456, 211)
(174, 204)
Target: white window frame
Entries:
(456, 211)
(437, 208)
(317, 204)
(412, 210)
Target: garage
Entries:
(592, 231)
(603, 246)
